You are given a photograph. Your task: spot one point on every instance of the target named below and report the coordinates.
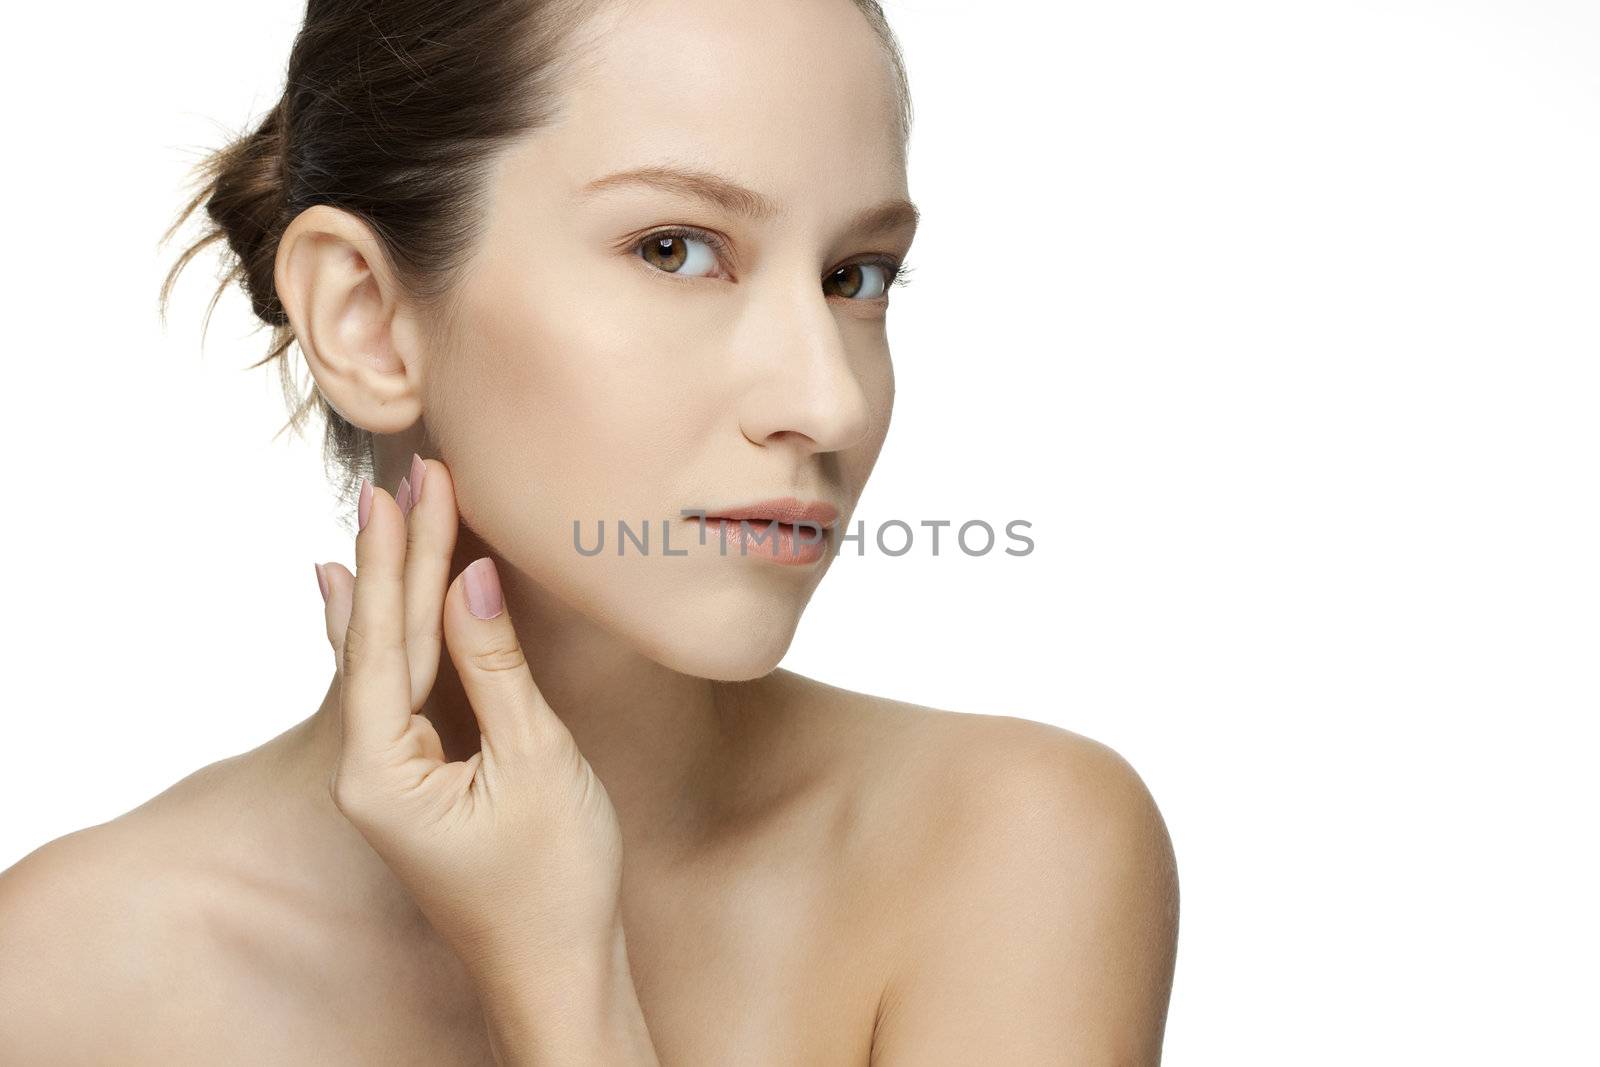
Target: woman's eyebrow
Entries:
(725, 193)
(742, 200)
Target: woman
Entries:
(553, 266)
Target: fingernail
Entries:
(402, 496)
(484, 598)
(417, 471)
(322, 582)
(364, 505)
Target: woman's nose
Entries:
(806, 381)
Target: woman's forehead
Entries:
(703, 73)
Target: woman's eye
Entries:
(678, 253)
(696, 256)
(860, 281)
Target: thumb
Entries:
(488, 657)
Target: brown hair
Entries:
(392, 111)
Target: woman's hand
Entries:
(514, 854)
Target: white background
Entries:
(1278, 320)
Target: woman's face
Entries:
(599, 371)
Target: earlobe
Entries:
(349, 319)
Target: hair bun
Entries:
(248, 204)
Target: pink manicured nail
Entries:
(484, 598)
(402, 496)
(364, 505)
(417, 471)
(322, 582)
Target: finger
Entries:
(336, 608)
(377, 683)
(489, 660)
(339, 585)
(431, 526)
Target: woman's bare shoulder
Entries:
(938, 791)
(99, 919)
(110, 865)
(1025, 887)
(954, 757)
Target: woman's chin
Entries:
(722, 645)
(722, 625)
(725, 658)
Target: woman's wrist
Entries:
(581, 1009)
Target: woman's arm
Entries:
(1051, 935)
(590, 1014)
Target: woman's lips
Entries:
(785, 509)
(799, 543)
(784, 529)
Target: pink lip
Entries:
(775, 522)
(786, 509)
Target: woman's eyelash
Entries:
(699, 235)
(899, 272)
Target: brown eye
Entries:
(850, 282)
(678, 253)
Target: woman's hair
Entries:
(393, 111)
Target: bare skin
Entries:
(810, 875)
(237, 917)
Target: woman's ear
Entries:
(360, 339)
